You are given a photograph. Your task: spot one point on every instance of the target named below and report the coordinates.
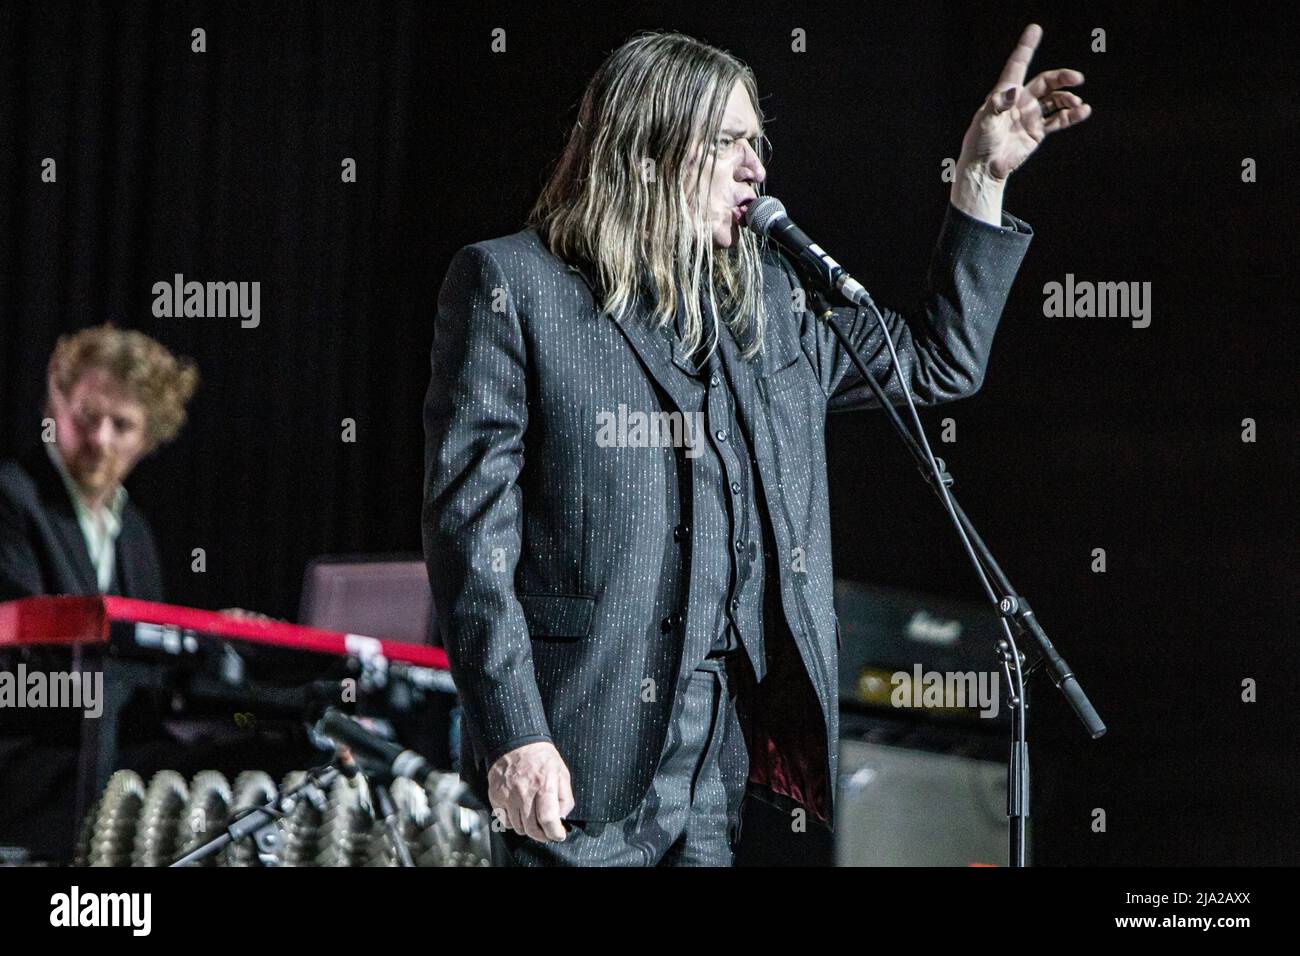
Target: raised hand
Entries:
(1017, 116)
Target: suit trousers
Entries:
(693, 810)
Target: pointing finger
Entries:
(1013, 74)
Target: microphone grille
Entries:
(763, 212)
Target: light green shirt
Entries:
(100, 529)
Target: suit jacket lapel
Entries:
(656, 350)
(661, 354)
(123, 566)
(63, 519)
(743, 376)
(74, 544)
(748, 377)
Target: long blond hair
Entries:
(617, 200)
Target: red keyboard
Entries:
(90, 620)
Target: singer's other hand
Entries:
(530, 786)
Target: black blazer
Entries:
(42, 549)
(561, 570)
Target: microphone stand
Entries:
(378, 773)
(1012, 608)
(253, 821)
(380, 778)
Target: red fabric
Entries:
(85, 620)
(785, 732)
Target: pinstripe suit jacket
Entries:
(555, 569)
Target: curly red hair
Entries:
(156, 378)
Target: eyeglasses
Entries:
(727, 146)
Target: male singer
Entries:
(625, 512)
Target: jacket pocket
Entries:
(558, 616)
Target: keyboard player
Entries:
(67, 526)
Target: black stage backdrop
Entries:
(1089, 433)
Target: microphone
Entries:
(372, 748)
(767, 217)
(459, 793)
